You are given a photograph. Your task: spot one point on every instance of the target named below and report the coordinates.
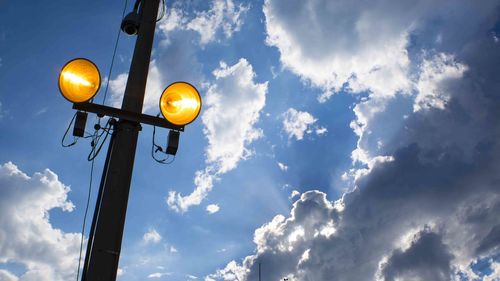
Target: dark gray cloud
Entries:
(426, 259)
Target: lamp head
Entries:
(180, 103)
(79, 80)
(130, 23)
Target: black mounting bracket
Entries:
(126, 115)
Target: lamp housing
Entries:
(180, 103)
(79, 80)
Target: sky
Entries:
(338, 140)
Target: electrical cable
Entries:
(156, 148)
(136, 5)
(96, 143)
(113, 57)
(86, 212)
(66, 133)
(90, 241)
(93, 154)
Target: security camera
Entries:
(130, 23)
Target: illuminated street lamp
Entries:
(79, 80)
(180, 104)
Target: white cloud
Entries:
(298, 123)
(159, 274)
(213, 208)
(152, 236)
(203, 181)
(435, 72)
(120, 272)
(232, 108)
(37, 113)
(495, 272)
(192, 277)
(321, 131)
(174, 19)
(27, 236)
(294, 194)
(283, 167)
(223, 16)
(173, 250)
(117, 87)
(339, 39)
(232, 271)
(7, 276)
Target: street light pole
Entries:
(103, 249)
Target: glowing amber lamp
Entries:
(79, 80)
(180, 103)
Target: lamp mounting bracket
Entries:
(126, 115)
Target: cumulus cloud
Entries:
(213, 208)
(298, 123)
(223, 17)
(434, 73)
(424, 205)
(27, 236)
(232, 108)
(366, 236)
(334, 45)
(152, 236)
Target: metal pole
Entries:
(90, 241)
(105, 249)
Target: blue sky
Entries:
(339, 140)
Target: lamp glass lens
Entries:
(180, 103)
(79, 80)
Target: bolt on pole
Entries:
(103, 250)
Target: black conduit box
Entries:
(80, 122)
(173, 142)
